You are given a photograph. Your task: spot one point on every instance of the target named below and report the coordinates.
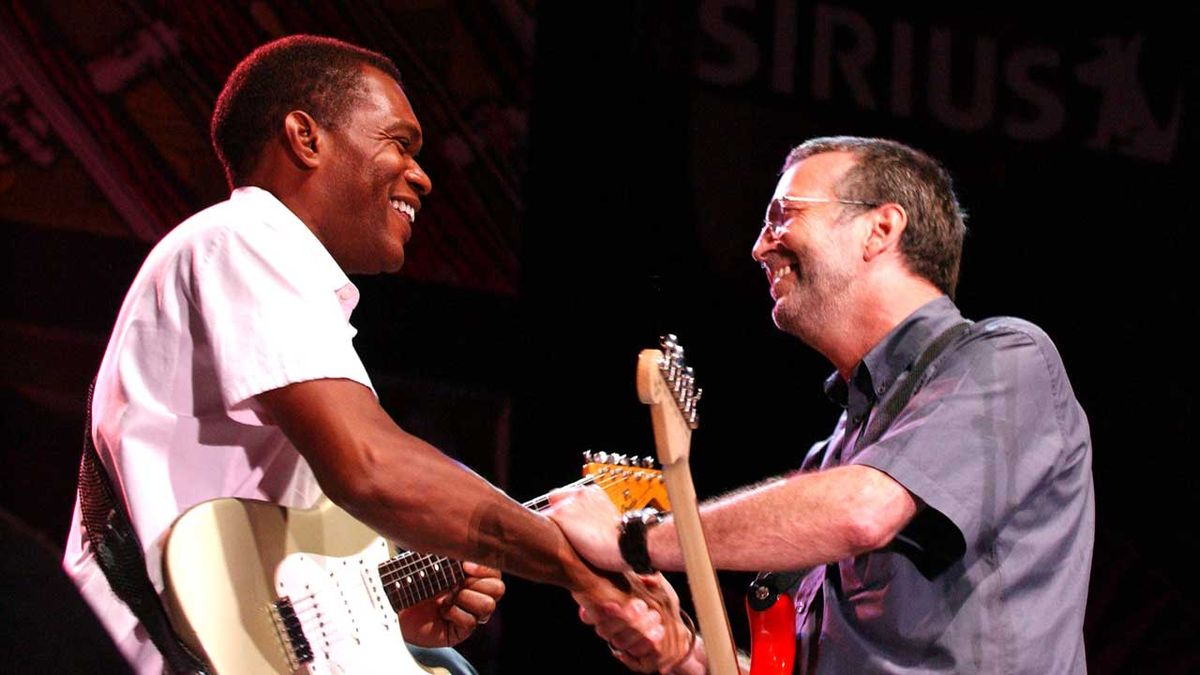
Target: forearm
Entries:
(795, 522)
(410, 492)
(425, 501)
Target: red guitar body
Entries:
(772, 630)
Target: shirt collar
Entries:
(283, 220)
(891, 356)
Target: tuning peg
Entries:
(587, 456)
(602, 457)
(693, 409)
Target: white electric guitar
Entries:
(254, 587)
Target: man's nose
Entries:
(418, 179)
(764, 243)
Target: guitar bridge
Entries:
(291, 633)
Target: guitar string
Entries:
(414, 560)
(421, 561)
(307, 610)
(418, 563)
(412, 565)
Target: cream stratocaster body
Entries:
(258, 588)
(254, 587)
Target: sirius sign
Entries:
(1089, 90)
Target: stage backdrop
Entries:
(600, 173)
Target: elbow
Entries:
(877, 511)
(363, 482)
(867, 532)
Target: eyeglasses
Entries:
(776, 219)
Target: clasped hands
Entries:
(644, 630)
(637, 615)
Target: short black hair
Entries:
(319, 75)
(889, 171)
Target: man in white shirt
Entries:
(231, 373)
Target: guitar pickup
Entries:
(291, 633)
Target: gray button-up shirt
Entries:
(992, 574)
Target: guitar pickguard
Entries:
(343, 622)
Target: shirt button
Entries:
(799, 606)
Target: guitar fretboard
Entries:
(412, 577)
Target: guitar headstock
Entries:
(630, 482)
(667, 384)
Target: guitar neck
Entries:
(667, 385)
(411, 577)
(701, 578)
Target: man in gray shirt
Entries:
(945, 527)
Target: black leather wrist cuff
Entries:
(632, 541)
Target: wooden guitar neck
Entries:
(667, 385)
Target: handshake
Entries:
(635, 610)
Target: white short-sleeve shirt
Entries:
(238, 300)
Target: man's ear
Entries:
(888, 222)
(302, 138)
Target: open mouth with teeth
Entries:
(404, 208)
(777, 270)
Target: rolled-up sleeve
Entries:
(979, 437)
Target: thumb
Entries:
(561, 496)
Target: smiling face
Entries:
(371, 180)
(813, 265)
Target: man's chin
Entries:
(780, 318)
(393, 266)
(786, 317)
(393, 257)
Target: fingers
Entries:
(635, 629)
(643, 631)
(658, 586)
(476, 570)
(461, 621)
(640, 665)
(475, 601)
(474, 604)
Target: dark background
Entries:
(599, 178)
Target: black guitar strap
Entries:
(772, 584)
(918, 373)
(118, 551)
